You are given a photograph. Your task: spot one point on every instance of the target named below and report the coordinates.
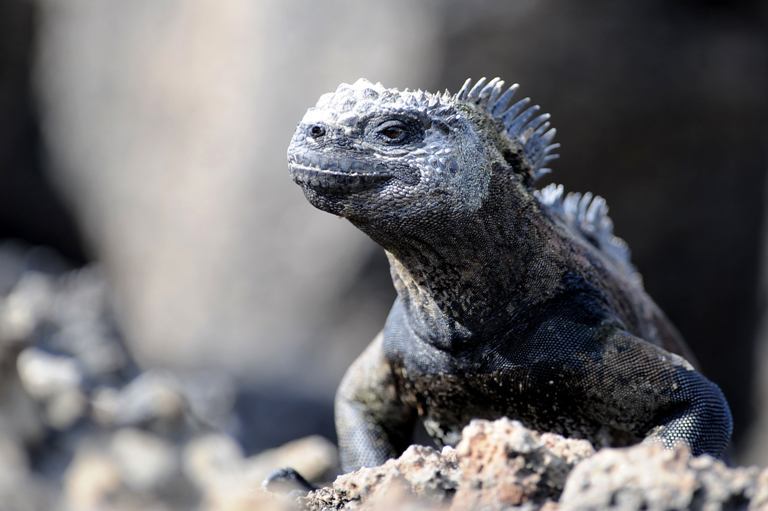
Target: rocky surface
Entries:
(502, 465)
(497, 465)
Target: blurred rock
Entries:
(15, 475)
(30, 494)
(54, 380)
(127, 470)
(151, 397)
(649, 477)
(23, 309)
(252, 500)
(45, 375)
(92, 481)
(82, 307)
(210, 461)
(146, 462)
(66, 408)
(65, 318)
(20, 418)
(314, 457)
(225, 477)
(210, 396)
(75, 407)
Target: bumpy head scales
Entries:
(368, 152)
(523, 126)
(517, 121)
(363, 96)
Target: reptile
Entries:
(512, 300)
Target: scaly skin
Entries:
(511, 301)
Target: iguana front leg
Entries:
(372, 423)
(642, 388)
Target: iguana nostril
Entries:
(317, 130)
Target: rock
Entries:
(252, 499)
(212, 461)
(146, 462)
(29, 494)
(19, 415)
(314, 457)
(81, 310)
(649, 477)
(210, 397)
(91, 481)
(22, 309)
(421, 475)
(495, 466)
(65, 408)
(126, 471)
(153, 396)
(45, 374)
(55, 380)
(14, 462)
(229, 481)
(504, 464)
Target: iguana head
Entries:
(370, 153)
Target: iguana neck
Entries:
(468, 279)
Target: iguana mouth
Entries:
(347, 175)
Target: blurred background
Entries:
(171, 306)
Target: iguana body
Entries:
(511, 301)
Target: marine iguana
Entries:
(511, 301)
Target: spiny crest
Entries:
(520, 122)
(587, 216)
(364, 96)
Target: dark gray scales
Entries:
(512, 301)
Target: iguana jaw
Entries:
(345, 175)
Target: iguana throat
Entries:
(465, 279)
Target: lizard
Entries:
(511, 301)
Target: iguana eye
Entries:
(393, 132)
